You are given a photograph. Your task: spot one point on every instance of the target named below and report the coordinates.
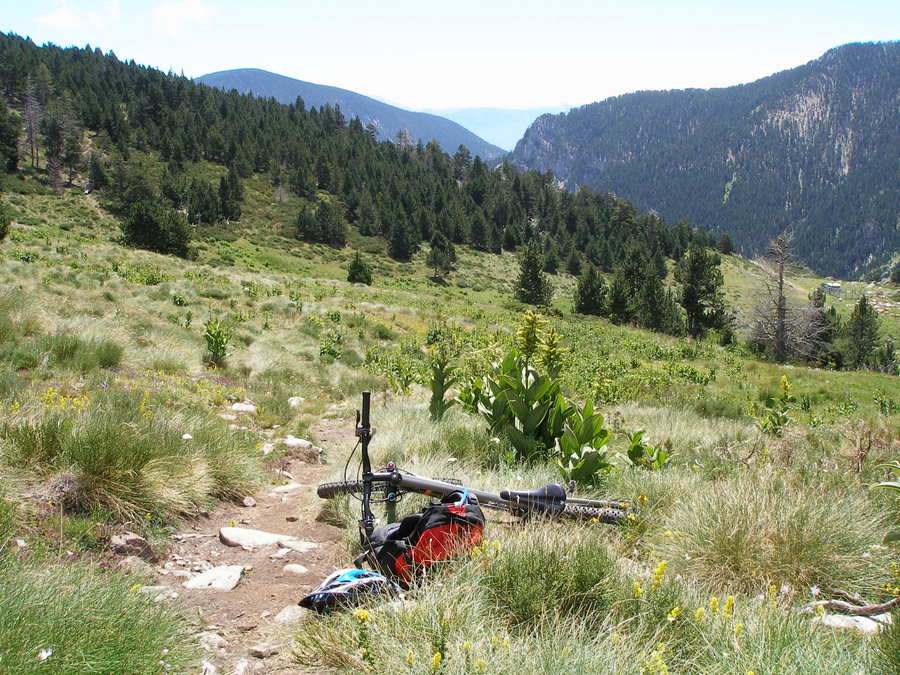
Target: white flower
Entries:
(44, 654)
(186, 437)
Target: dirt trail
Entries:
(245, 616)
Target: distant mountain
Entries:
(500, 126)
(386, 118)
(813, 150)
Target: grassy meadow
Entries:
(103, 373)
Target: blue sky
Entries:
(466, 53)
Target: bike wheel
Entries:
(608, 516)
(332, 490)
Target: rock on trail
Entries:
(221, 578)
(240, 536)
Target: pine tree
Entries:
(533, 287)
(619, 297)
(9, 139)
(441, 255)
(725, 245)
(331, 227)
(860, 334)
(153, 227)
(551, 261)
(573, 263)
(701, 296)
(402, 243)
(359, 271)
(591, 292)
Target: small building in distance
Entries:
(833, 287)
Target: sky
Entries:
(420, 54)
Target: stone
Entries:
(186, 437)
(291, 519)
(240, 536)
(289, 614)
(211, 641)
(862, 624)
(158, 593)
(248, 501)
(221, 578)
(280, 553)
(295, 401)
(245, 667)
(130, 543)
(267, 448)
(137, 566)
(294, 568)
(293, 442)
(245, 407)
(228, 417)
(289, 487)
(263, 651)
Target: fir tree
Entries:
(153, 227)
(860, 334)
(591, 292)
(701, 296)
(573, 263)
(402, 243)
(330, 225)
(533, 287)
(359, 271)
(441, 255)
(9, 139)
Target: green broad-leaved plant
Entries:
(581, 455)
(642, 456)
(892, 537)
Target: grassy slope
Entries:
(70, 276)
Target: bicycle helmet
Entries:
(348, 587)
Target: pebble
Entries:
(294, 568)
(295, 401)
(211, 641)
(222, 578)
(248, 501)
(130, 543)
(289, 614)
(245, 407)
(263, 651)
(291, 519)
(294, 442)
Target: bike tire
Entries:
(608, 516)
(340, 488)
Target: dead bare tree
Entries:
(32, 113)
(787, 329)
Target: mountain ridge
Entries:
(387, 119)
(810, 149)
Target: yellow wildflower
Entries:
(820, 610)
(728, 609)
(436, 661)
(698, 614)
(133, 590)
(505, 642)
(673, 614)
(714, 604)
(467, 646)
(642, 499)
(480, 665)
(361, 615)
(738, 627)
(638, 591)
(410, 658)
(659, 573)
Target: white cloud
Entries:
(174, 16)
(66, 17)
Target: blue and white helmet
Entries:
(348, 587)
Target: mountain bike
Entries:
(388, 485)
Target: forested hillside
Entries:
(78, 107)
(812, 150)
(387, 120)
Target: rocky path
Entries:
(240, 571)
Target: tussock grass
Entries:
(126, 454)
(763, 527)
(91, 620)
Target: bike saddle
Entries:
(552, 493)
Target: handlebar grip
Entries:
(366, 400)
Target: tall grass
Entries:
(85, 620)
(764, 527)
(127, 454)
